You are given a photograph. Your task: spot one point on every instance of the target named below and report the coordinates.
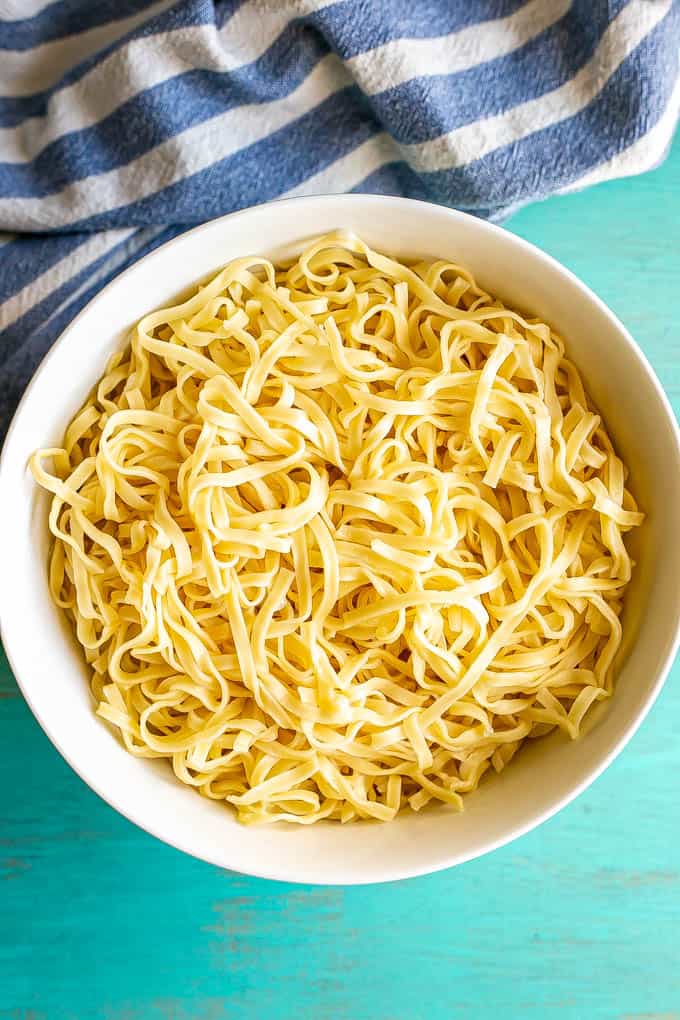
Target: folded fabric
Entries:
(124, 122)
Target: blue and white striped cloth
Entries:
(124, 122)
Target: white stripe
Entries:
(19, 10)
(257, 24)
(473, 141)
(145, 63)
(643, 154)
(198, 147)
(23, 72)
(60, 273)
(402, 60)
(348, 171)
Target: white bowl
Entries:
(546, 775)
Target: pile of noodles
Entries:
(337, 537)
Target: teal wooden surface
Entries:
(579, 919)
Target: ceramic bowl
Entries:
(549, 772)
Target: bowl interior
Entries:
(547, 772)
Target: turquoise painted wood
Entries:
(580, 919)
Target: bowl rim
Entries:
(11, 646)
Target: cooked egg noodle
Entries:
(337, 537)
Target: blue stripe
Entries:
(68, 17)
(396, 178)
(256, 173)
(27, 257)
(542, 64)
(399, 178)
(163, 112)
(605, 127)
(356, 26)
(15, 109)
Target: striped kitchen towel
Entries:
(124, 122)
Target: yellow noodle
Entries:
(337, 537)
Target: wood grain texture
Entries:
(579, 919)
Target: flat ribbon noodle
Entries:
(337, 536)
